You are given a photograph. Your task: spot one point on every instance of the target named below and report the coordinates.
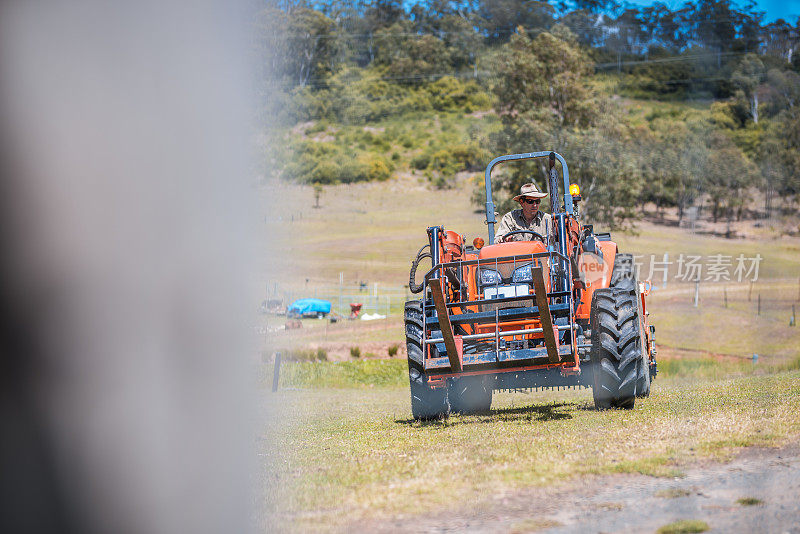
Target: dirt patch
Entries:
(709, 492)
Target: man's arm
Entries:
(503, 228)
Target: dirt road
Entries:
(710, 492)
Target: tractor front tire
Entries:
(470, 394)
(426, 402)
(620, 368)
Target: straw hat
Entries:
(529, 190)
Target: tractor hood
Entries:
(513, 248)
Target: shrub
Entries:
(421, 161)
(393, 351)
(353, 171)
(355, 352)
(319, 126)
(326, 172)
(377, 168)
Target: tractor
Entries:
(556, 311)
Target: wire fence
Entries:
(772, 300)
(372, 298)
(777, 300)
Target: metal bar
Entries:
(562, 245)
(552, 184)
(544, 314)
(504, 299)
(434, 233)
(506, 358)
(490, 219)
(444, 325)
(506, 314)
(507, 333)
(499, 259)
(276, 376)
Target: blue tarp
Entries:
(309, 307)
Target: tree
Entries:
(545, 77)
(410, 58)
(727, 175)
(311, 45)
(545, 102)
(780, 40)
(317, 194)
(786, 87)
(500, 19)
(747, 78)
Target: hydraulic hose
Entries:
(412, 285)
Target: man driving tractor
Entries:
(527, 218)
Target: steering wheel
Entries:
(513, 232)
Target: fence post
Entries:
(341, 282)
(696, 291)
(725, 293)
(666, 262)
(277, 372)
(759, 304)
(793, 321)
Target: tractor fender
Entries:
(602, 266)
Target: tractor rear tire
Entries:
(620, 367)
(470, 394)
(624, 277)
(426, 402)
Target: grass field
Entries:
(352, 449)
(354, 452)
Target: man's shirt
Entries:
(542, 223)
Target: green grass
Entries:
(356, 453)
(352, 374)
(749, 501)
(394, 372)
(685, 526)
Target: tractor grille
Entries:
(526, 303)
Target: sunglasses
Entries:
(530, 200)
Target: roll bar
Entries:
(490, 219)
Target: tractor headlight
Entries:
(523, 274)
(490, 276)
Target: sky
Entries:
(788, 10)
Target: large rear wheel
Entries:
(620, 369)
(426, 402)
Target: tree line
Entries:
(539, 67)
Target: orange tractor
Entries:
(553, 311)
